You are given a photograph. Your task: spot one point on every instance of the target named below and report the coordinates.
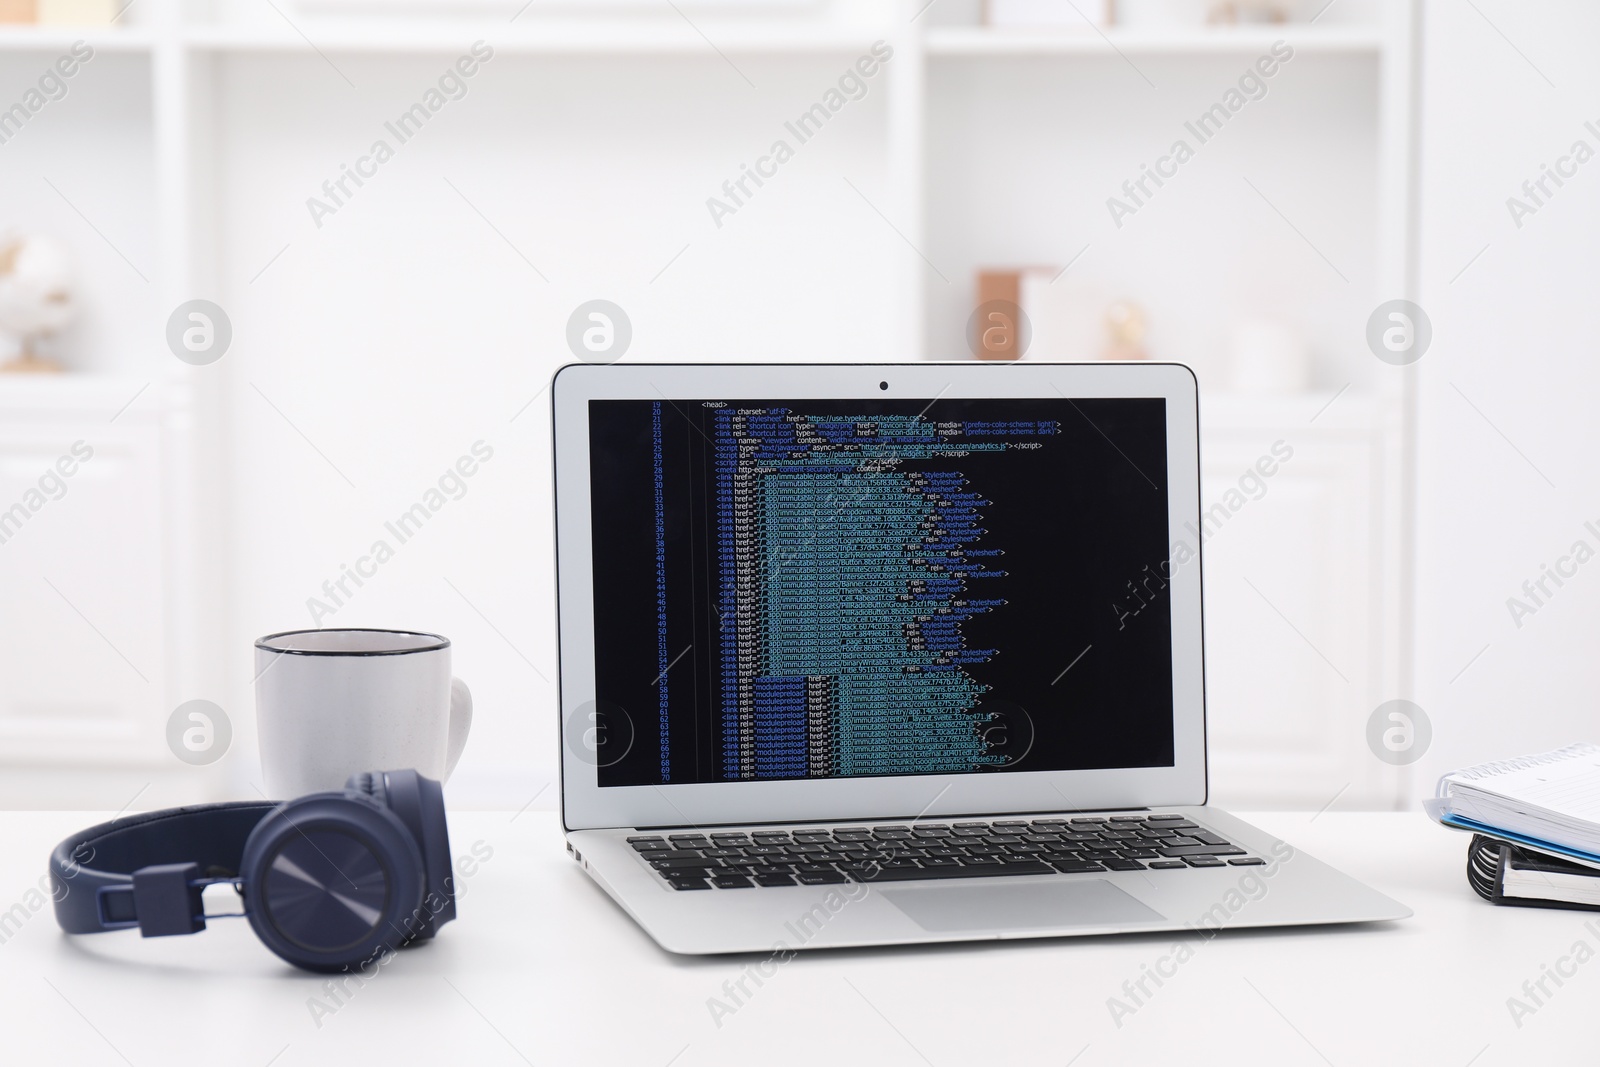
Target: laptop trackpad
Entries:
(1020, 906)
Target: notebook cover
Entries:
(1460, 822)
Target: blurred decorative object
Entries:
(1163, 14)
(997, 287)
(1229, 12)
(18, 11)
(35, 297)
(77, 12)
(1267, 357)
(1067, 312)
(1125, 327)
(1056, 14)
(1060, 316)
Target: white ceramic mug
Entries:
(332, 703)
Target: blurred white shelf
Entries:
(397, 37)
(1251, 40)
(104, 396)
(1316, 410)
(14, 39)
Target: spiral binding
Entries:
(1483, 865)
(1517, 763)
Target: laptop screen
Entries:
(827, 588)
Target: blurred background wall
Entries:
(381, 330)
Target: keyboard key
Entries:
(970, 825)
(1208, 838)
(644, 837)
(940, 861)
(814, 868)
(852, 835)
(1123, 865)
(772, 880)
(730, 882)
(850, 830)
(1040, 824)
(689, 883)
(1201, 850)
(931, 831)
(677, 860)
(675, 838)
(1167, 865)
(1076, 866)
(964, 830)
(766, 850)
(1203, 861)
(772, 868)
(1164, 818)
(1126, 819)
(1009, 823)
(812, 837)
(1041, 839)
(820, 878)
(906, 874)
(1181, 824)
(1248, 861)
(722, 853)
(1087, 822)
(892, 835)
(651, 846)
(1139, 854)
(1023, 849)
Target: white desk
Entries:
(542, 968)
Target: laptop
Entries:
(881, 654)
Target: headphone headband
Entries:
(92, 873)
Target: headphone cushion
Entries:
(419, 802)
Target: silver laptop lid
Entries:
(821, 592)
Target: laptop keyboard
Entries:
(1003, 848)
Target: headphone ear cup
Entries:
(419, 802)
(332, 881)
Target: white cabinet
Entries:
(1300, 634)
(87, 578)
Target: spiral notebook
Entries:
(1549, 802)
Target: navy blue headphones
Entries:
(331, 881)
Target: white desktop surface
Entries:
(542, 968)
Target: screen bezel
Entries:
(585, 805)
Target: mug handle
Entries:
(460, 723)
